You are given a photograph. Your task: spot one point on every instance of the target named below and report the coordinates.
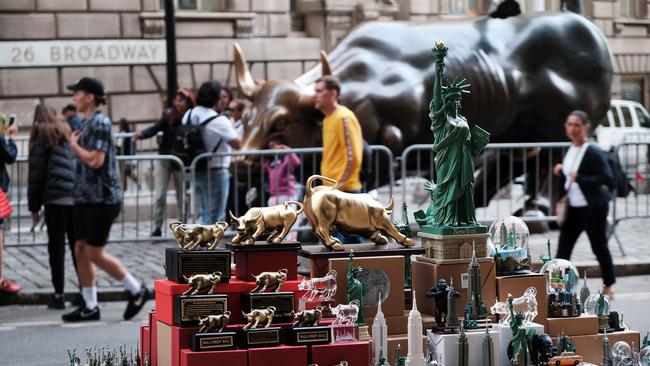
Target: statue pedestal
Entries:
(503, 338)
(444, 247)
(264, 257)
(447, 348)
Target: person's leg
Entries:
(595, 223)
(201, 193)
(160, 184)
(569, 233)
(179, 187)
(5, 285)
(55, 221)
(221, 188)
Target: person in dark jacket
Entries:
(8, 154)
(587, 180)
(165, 170)
(51, 184)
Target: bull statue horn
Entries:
(232, 217)
(326, 68)
(306, 102)
(245, 83)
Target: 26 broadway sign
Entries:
(82, 53)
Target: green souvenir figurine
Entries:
(521, 337)
(404, 227)
(456, 147)
(356, 288)
(399, 359)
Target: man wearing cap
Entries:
(97, 203)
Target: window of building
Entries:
(632, 89)
(633, 8)
(202, 5)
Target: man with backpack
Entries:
(217, 136)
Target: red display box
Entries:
(234, 357)
(264, 257)
(153, 338)
(145, 349)
(356, 353)
(166, 290)
(171, 340)
(278, 356)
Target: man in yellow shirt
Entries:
(342, 137)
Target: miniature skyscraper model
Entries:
(415, 356)
(584, 293)
(488, 349)
(474, 300)
(463, 348)
(607, 360)
(379, 333)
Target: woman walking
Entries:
(51, 183)
(587, 182)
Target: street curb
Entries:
(42, 296)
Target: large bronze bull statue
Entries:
(527, 73)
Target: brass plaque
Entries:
(192, 307)
(203, 262)
(217, 341)
(313, 336)
(263, 336)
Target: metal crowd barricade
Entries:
(249, 180)
(135, 222)
(508, 179)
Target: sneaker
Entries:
(8, 287)
(156, 232)
(136, 302)
(81, 314)
(57, 302)
(78, 301)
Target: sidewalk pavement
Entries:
(28, 265)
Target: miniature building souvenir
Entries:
(526, 304)
(561, 287)
(327, 207)
(510, 238)
(451, 318)
(462, 348)
(415, 355)
(487, 346)
(584, 293)
(276, 219)
(192, 236)
(475, 308)
(379, 334)
(606, 361)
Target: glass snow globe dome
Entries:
(561, 276)
(509, 236)
(621, 350)
(591, 305)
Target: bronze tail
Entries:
(308, 185)
(299, 204)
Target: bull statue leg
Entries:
(269, 320)
(378, 238)
(332, 243)
(259, 230)
(273, 237)
(286, 227)
(388, 228)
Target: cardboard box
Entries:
(278, 356)
(171, 340)
(447, 348)
(355, 353)
(590, 346)
(392, 266)
(581, 325)
(516, 285)
(395, 324)
(214, 358)
(426, 274)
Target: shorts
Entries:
(92, 222)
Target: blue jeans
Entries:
(352, 239)
(212, 187)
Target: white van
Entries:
(625, 121)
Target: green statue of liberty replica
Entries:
(452, 208)
(356, 288)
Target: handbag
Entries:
(5, 206)
(562, 205)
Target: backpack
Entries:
(188, 140)
(623, 186)
(365, 174)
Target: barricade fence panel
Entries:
(509, 179)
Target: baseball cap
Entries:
(89, 85)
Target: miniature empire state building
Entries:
(475, 308)
(379, 334)
(415, 356)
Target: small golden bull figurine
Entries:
(201, 282)
(328, 209)
(270, 281)
(278, 219)
(259, 316)
(190, 236)
(308, 318)
(214, 323)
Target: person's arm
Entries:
(223, 127)
(293, 160)
(152, 130)
(605, 176)
(8, 150)
(345, 130)
(36, 176)
(99, 144)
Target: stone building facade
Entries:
(281, 39)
